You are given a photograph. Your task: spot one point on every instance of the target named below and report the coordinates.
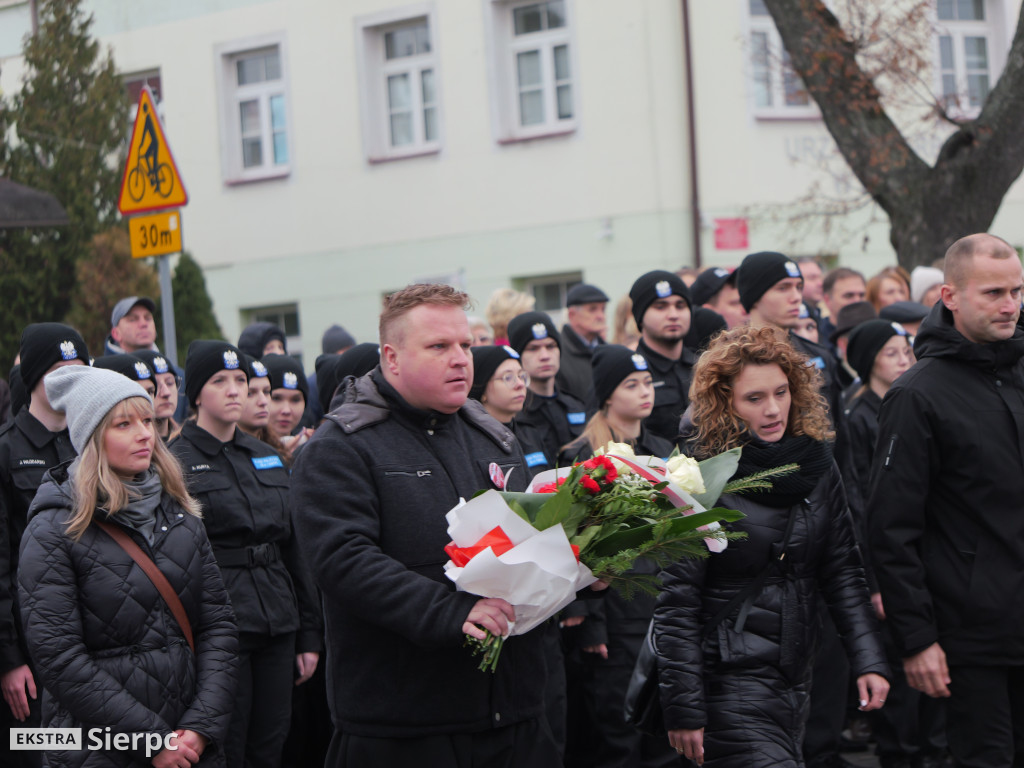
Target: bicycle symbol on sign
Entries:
(147, 168)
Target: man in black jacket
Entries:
(371, 489)
(945, 521)
(585, 311)
(36, 440)
(662, 310)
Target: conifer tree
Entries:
(67, 128)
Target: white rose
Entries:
(685, 472)
(618, 449)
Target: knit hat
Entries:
(655, 285)
(155, 360)
(256, 369)
(904, 312)
(43, 344)
(531, 326)
(332, 369)
(611, 364)
(866, 340)
(256, 336)
(124, 306)
(132, 366)
(336, 338)
(485, 362)
(286, 373)
(850, 316)
(760, 271)
(704, 324)
(19, 395)
(205, 358)
(584, 294)
(922, 279)
(709, 282)
(86, 395)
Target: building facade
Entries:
(333, 152)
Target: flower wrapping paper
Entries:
(539, 575)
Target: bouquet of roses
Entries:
(586, 522)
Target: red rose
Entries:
(551, 487)
(590, 484)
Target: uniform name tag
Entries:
(32, 462)
(267, 462)
(577, 418)
(535, 459)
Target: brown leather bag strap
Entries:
(155, 575)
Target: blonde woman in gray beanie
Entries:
(124, 609)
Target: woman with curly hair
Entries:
(736, 633)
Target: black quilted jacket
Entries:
(778, 642)
(105, 644)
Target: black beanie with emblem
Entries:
(867, 340)
(531, 326)
(659, 284)
(207, 357)
(286, 373)
(760, 271)
(332, 369)
(486, 360)
(45, 344)
(135, 368)
(611, 364)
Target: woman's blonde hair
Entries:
(598, 433)
(98, 487)
(719, 428)
(504, 304)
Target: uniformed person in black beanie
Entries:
(242, 484)
(131, 367)
(30, 444)
(555, 417)
(662, 310)
(332, 368)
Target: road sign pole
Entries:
(167, 302)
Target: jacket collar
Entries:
(938, 337)
(664, 364)
(210, 445)
(33, 428)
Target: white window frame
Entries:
(373, 69)
(503, 46)
(230, 95)
(564, 281)
(959, 31)
(144, 75)
(778, 110)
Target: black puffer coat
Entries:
(749, 689)
(106, 645)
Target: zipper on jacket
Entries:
(890, 452)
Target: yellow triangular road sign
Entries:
(151, 179)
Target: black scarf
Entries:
(813, 456)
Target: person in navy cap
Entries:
(581, 335)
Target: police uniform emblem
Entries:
(230, 360)
(639, 362)
(792, 269)
(68, 351)
(899, 328)
(141, 371)
(540, 331)
(160, 365)
(720, 272)
(290, 380)
(259, 368)
(510, 352)
(663, 289)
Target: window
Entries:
(255, 112)
(133, 87)
(550, 292)
(535, 82)
(965, 50)
(399, 84)
(285, 317)
(777, 90)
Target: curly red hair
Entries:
(719, 428)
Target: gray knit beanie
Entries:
(86, 395)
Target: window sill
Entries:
(406, 155)
(543, 134)
(801, 116)
(256, 176)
